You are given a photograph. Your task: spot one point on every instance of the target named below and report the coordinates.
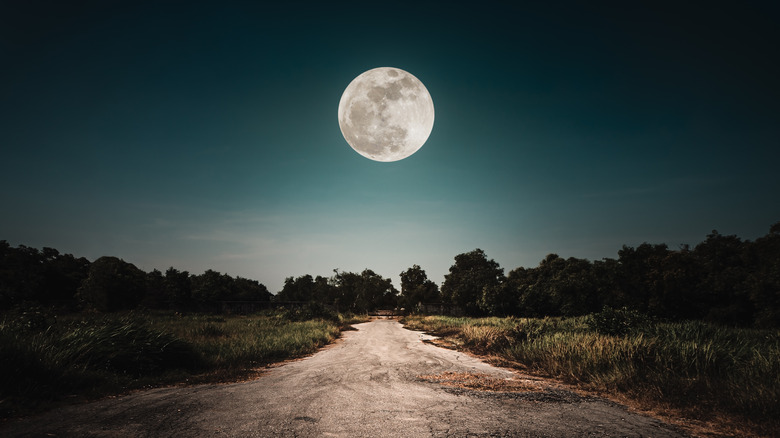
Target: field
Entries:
(724, 377)
(47, 359)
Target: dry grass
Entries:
(484, 382)
(88, 355)
(720, 381)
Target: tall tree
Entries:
(20, 273)
(763, 283)
(113, 284)
(723, 281)
(468, 277)
(416, 288)
(178, 289)
(210, 287)
(640, 273)
(244, 289)
(363, 292)
(155, 291)
(60, 276)
(297, 289)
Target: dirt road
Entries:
(379, 381)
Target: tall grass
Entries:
(45, 359)
(702, 369)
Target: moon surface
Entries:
(386, 114)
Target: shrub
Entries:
(618, 322)
(309, 311)
(128, 346)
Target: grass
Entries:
(47, 359)
(706, 372)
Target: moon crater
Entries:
(386, 114)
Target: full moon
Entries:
(386, 114)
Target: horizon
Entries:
(506, 269)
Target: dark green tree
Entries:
(113, 284)
(641, 271)
(244, 289)
(416, 288)
(209, 288)
(297, 289)
(674, 286)
(540, 297)
(20, 274)
(468, 278)
(324, 291)
(763, 283)
(178, 289)
(573, 288)
(363, 292)
(510, 297)
(60, 276)
(724, 279)
(155, 297)
(606, 273)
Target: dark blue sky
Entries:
(204, 134)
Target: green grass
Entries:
(47, 359)
(703, 370)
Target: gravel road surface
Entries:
(379, 381)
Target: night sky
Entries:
(204, 135)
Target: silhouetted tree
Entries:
(324, 291)
(60, 276)
(573, 288)
(155, 296)
(723, 279)
(244, 289)
(606, 273)
(297, 289)
(363, 292)
(674, 290)
(209, 288)
(539, 297)
(20, 274)
(763, 283)
(178, 289)
(113, 284)
(416, 288)
(640, 271)
(468, 277)
(723, 286)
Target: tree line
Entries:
(46, 277)
(723, 279)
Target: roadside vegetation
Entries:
(713, 374)
(47, 358)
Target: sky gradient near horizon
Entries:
(204, 135)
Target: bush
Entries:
(531, 329)
(618, 322)
(309, 311)
(29, 318)
(128, 346)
